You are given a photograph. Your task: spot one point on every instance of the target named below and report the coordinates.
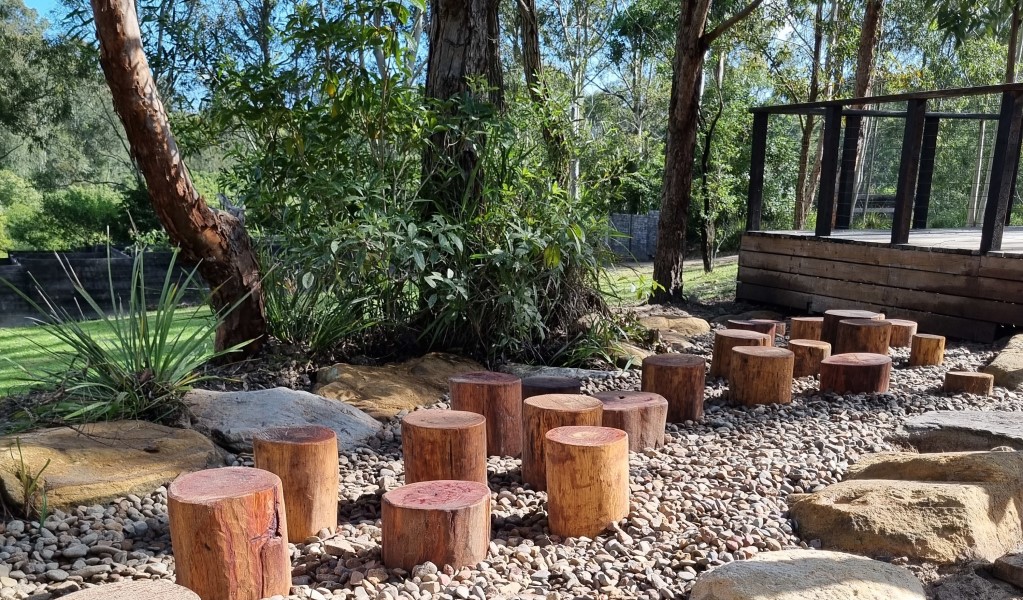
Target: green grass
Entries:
(629, 284)
(26, 346)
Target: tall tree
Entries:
(216, 240)
(691, 44)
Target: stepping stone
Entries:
(960, 431)
(152, 589)
(808, 575)
(1007, 367)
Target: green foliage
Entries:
(136, 366)
(31, 490)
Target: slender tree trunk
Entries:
(870, 34)
(214, 239)
(708, 231)
(532, 65)
(804, 193)
(1013, 53)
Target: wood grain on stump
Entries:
(588, 479)
(902, 333)
(444, 445)
(305, 458)
(143, 589)
(540, 414)
(443, 522)
(761, 375)
(229, 532)
(724, 341)
(498, 397)
(680, 378)
(808, 355)
(768, 328)
(779, 326)
(958, 382)
(539, 385)
(926, 350)
(862, 335)
(829, 327)
(807, 328)
(855, 373)
(642, 415)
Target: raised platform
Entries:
(939, 279)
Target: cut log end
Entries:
(621, 401)
(538, 385)
(151, 589)
(862, 335)
(564, 403)
(215, 485)
(902, 333)
(808, 355)
(926, 350)
(807, 328)
(438, 495)
(764, 326)
(484, 378)
(829, 327)
(298, 435)
(964, 382)
(435, 418)
(641, 415)
(675, 360)
(585, 436)
(725, 340)
(779, 326)
(855, 373)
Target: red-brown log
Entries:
(862, 335)
(539, 385)
(829, 328)
(808, 356)
(444, 445)
(964, 382)
(540, 414)
(498, 397)
(724, 341)
(807, 328)
(642, 415)
(768, 328)
(926, 350)
(761, 375)
(902, 333)
(779, 326)
(856, 373)
(588, 479)
(681, 379)
(148, 589)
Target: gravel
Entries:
(715, 493)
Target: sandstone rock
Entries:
(686, 327)
(1007, 367)
(627, 354)
(674, 340)
(752, 314)
(384, 391)
(944, 508)
(807, 575)
(232, 418)
(524, 371)
(154, 589)
(955, 431)
(96, 463)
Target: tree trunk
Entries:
(216, 240)
(708, 232)
(532, 65)
(804, 192)
(870, 33)
(1013, 53)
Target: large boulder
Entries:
(944, 508)
(807, 575)
(686, 327)
(958, 431)
(1007, 367)
(93, 464)
(232, 418)
(384, 391)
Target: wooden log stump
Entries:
(538, 386)
(540, 414)
(926, 350)
(807, 355)
(829, 327)
(229, 531)
(444, 445)
(443, 522)
(587, 479)
(806, 328)
(147, 589)
(305, 458)
(855, 373)
(724, 341)
(768, 328)
(680, 378)
(902, 333)
(862, 335)
(642, 415)
(761, 375)
(964, 382)
(779, 326)
(498, 397)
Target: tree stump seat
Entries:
(806, 328)
(829, 326)
(780, 328)
(587, 479)
(926, 350)
(141, 589)
(862, 335)
(540, 385)
(960, 382)
(681, 379)
(540, 414)
(807, 355)
(761, 375)
(902, 333)
(642, 415)
(498, 397)
(766, 327)
(727, 339)
(445, 522)
(855, 373)
(442, 444)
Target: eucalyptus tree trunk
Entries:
(532, 66)
(215, 239)
(804, 192)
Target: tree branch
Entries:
(708, 38)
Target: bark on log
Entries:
(537, 386)
(862, 335)
(149, 589)
(540, 414)
(829, 328)
(807, 328)
(229, 531)
(498, 397)
(779, 326)
(588, 479)
(444, 445)
(963, 382)
(642, 415)
(902, 333)
(306, 460)
(808, 355)
(681, 379)
(443, 522)
(768, 328)
(857, 373)
(724, 341)
(214, 239)
(761, 375)
(926, 350)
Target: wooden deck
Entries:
(938, 279)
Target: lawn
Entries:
(30, 347)
(629, 284)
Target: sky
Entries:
(43, 7)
